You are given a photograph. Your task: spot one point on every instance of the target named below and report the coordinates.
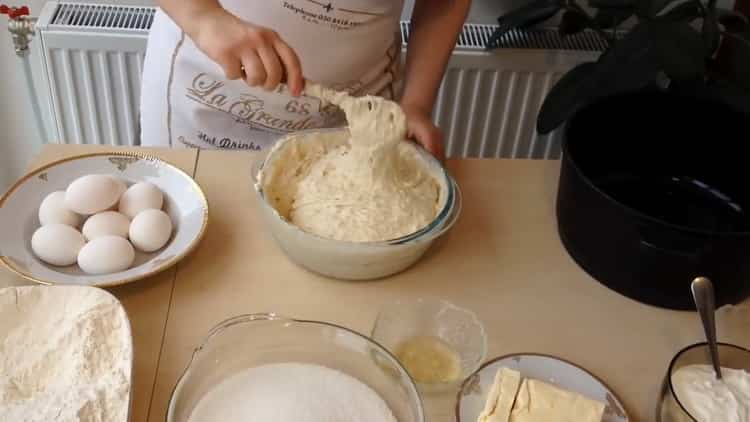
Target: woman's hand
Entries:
(248, 51)
(436, 25)
(421, 129)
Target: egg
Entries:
(106, 255)
(92, 193)
(150, 230)
(106, 223)
(53, 210)
(57, 244)
(121, 186)
(139, 197)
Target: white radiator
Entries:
(92, 58)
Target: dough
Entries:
(370, 186)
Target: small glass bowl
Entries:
(670, 409)
(458, 328)
(248, 341)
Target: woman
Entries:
(213, 70)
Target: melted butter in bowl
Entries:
(429, 359)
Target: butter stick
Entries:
(512, 399)
(537, 401)
(499, 403)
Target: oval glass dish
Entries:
(249, 341)
(357, 260)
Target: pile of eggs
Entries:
(114, 220)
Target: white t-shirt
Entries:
(350, 45)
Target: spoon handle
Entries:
(703, 294)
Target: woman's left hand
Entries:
(420, 128)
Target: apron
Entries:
(350, 45)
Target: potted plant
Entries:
(652, 192)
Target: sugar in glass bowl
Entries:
(248, 341)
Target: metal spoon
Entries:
(705, 303)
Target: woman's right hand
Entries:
(247, 51)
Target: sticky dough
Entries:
(364, 185)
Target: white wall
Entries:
(19, 139)
(18, 136)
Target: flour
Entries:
(291, 392)
(65, 355)
(708, 399)
(373, 186)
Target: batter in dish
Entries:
(370, 187)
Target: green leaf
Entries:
(722, 91)
(680, 49)
(531, 14)
(613, 4)
(732, 94)
(573, 22)
(651, 8)
(684, 12)
(710, 31)
(635, 45)
(612, 18)
(631, 64)
(568, 95)
(731, 20)
(735, 64)
(742, 40)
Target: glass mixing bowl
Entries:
(358, 260)
(252, 340)
(730, 356)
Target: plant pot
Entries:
(654, 192)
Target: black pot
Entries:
(655, 191)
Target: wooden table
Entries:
(503, 260)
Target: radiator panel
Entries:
(488, 103)
(93, 57)
(486, 106)
(95, 95)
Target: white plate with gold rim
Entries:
(549, 369)
(184, 201)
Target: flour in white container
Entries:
(65, 355)
(291, 392)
